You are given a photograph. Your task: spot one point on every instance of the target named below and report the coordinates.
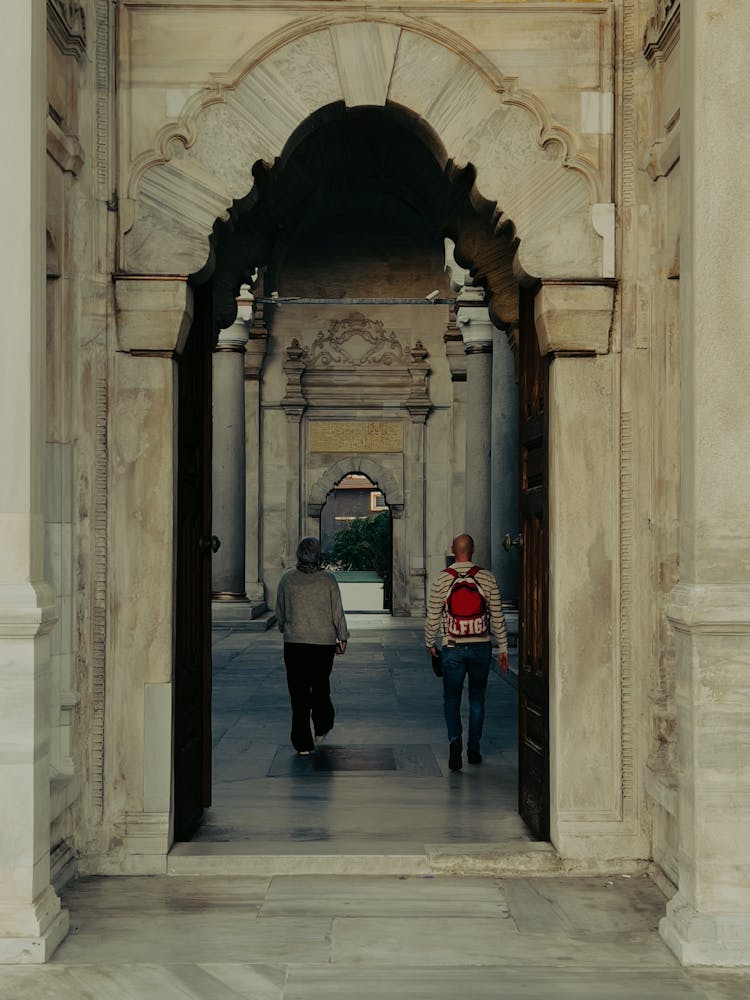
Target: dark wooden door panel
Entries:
(533, 644)
(192, 751)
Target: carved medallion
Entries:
(356, 341)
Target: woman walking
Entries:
(311, 618)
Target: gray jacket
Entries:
(308, 607)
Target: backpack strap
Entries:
(452, 573)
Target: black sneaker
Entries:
(454, 757)
(474, 757)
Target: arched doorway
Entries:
(356, 539)
(572, 319)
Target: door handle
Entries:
(509, 543)
(207, 542)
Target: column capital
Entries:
(154, 314)
(233, 339)
(574, 317)
(477, 329)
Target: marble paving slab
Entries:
(483, 983)
(483, 941)
(194, 938)
(415, 759)
(372, 896)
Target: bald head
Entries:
(463, 547)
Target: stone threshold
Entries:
(519, 859)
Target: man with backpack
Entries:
(464, 603)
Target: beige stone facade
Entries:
(597, 143)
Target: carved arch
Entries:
(381, 477)
(526, 163)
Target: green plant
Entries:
(364, 544)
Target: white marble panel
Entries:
(421, 70)
(157, 747)
(365, 54)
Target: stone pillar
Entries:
(228, 514)
(477, 331)
(418, 404)
(31, 922)
(504, 514)
(594, 690)
(153, 321)
(294, 405)
(400, 580)
(708, 921)
(255, 353)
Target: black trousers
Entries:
(308, 677)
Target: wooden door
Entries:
(192, 751)
(533, 640)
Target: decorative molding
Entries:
(662, 31)
(418, 401)
(99, 595)
(627, 546)
(66, 26)
(385, 481)
(64, 148)
(294, 402)
(355, 342)
(664, 154)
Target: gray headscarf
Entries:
(308, 555)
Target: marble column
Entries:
(708, 920)
(228, 515)
(255, 354)
(154, 317)
(477, 332)
(31, 921)
(293, 405)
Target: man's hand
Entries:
(502, 662)
(341, 647)
(432, 650)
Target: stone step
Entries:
(250, 859)
(242, 616)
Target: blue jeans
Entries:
(472, 659)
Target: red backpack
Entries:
(465, 610)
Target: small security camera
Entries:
(433, 295)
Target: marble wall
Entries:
(564, 118)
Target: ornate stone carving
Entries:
(662, 31)
(66, 24)
(418, 401)
(354, 342)
(294, 402)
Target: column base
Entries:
(242, 616)
(35, 950)
(717, 939)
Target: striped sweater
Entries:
(434, 625)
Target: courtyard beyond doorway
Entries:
(378, 795)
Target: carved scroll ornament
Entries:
(356, 341)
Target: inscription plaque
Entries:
(356, 436)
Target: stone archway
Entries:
(383, 478)
(392, 487)
(551, 204)
(555, 198)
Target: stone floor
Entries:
(379, 788)
(309, 882)
(312, 937)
